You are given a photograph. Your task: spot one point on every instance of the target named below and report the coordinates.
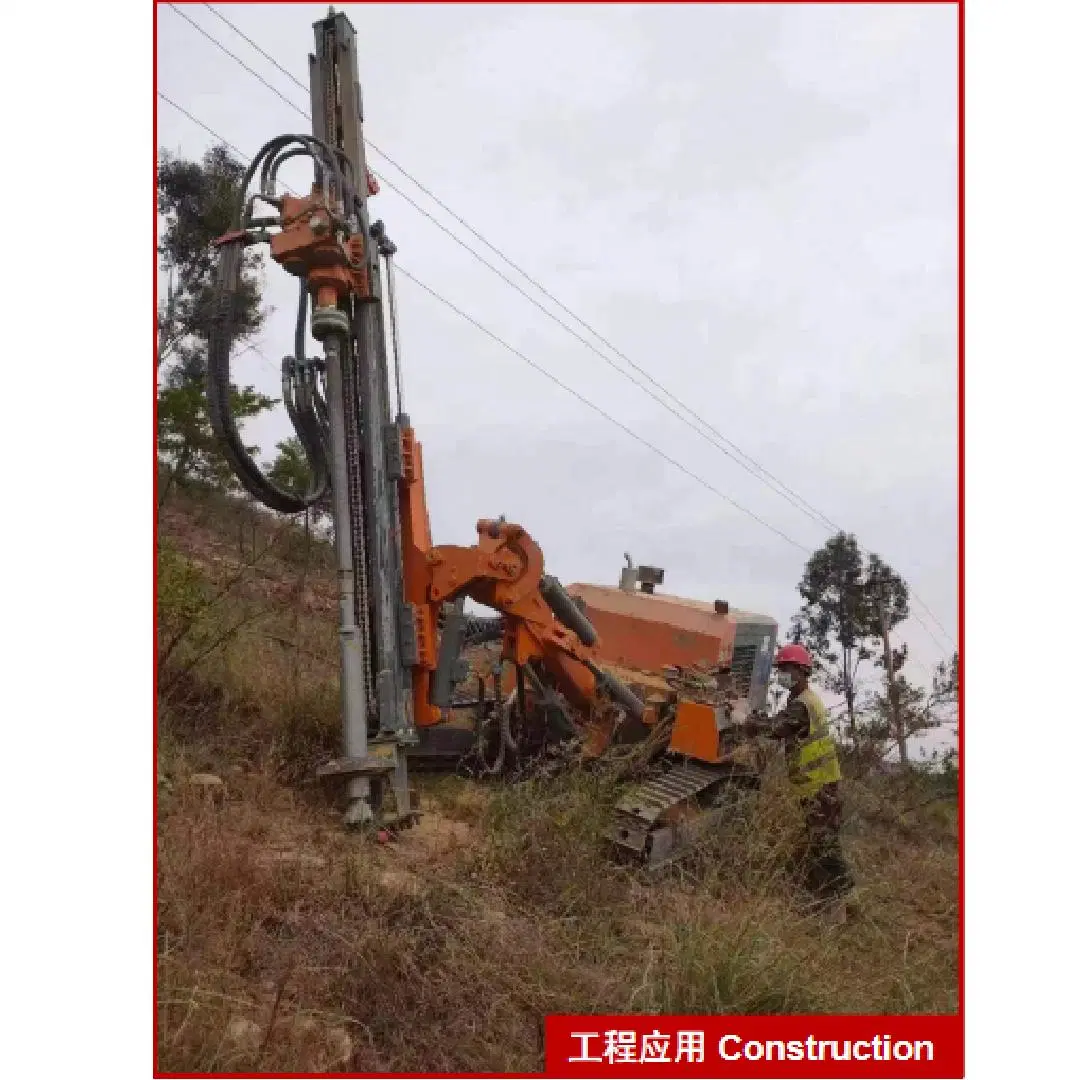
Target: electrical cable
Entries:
(711, 434)
(470, 319)
(748, 463)
(597, 409)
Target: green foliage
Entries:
(918, 711)
(186, 441)
(290, 469)
(185, 605)
(197, 201)
(182, 591)
(847, 598)
(947, 681)
(200, 615)
(913, 707)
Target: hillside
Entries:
(285, 944)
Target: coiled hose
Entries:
(303, 401)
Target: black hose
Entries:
(300, 337)
(304, 413)
(268, 179)
(322, 410)
(313, 440)
(297, 397)
(218, 390)
(270, 151)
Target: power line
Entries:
(711, 434)
(633, 434)
(258, 48)
(543, 371)
(532, 300)
(251, 71)
(532, 363)
(505, 345)
(771, 482)
(209, 130)
(930, 633)
(748, 463)
(937, 621)
(596, 408)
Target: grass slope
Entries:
(285, 944)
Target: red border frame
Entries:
(960, 1017)
(960, 324)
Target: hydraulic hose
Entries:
(311, 431)
(218, 391)
(303, 408)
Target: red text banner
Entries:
(749, 1046)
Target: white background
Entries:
(77, 632)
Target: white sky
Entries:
(757, 204)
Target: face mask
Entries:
(785, 679)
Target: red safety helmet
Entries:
(794, 654)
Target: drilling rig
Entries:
(340, 407)
(402, 623)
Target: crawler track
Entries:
(660, 819)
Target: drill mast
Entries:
(401, 597)
(364, 462)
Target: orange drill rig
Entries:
(401, 596)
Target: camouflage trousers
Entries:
(824, 869)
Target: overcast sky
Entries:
(757, 204)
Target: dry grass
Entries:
(286, 945)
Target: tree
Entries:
(850, 602)
(947, 679)
(897, 713)
(292, 471)
(916, 710)
(186, 441)
(945, 690)
(196, 201)
(888, 596)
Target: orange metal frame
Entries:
(695, 732)
(503, 570)
(307, 247)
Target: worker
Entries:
(814, 771)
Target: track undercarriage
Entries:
(662, 818)
(511, 726)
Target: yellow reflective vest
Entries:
(813, 762)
